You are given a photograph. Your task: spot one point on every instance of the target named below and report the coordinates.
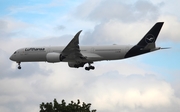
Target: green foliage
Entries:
(71, 107)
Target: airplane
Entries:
(77, 56)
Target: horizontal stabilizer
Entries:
(165, 47)
(159, 48)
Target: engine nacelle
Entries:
(75, 64)
(53, 57)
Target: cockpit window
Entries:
(15, 52)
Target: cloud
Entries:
(20, 34)
(125, 22)
(113, 90)
(131, 93)
(14, 94)
(107, 90)
(10, 27)
(60, 27)
(126, 12)
(117, 32)
(170, 28)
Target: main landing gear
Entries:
(19, 65)
(90, 67)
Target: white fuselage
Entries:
(92, 53)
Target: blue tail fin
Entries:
(152, 35)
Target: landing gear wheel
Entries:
(19, 65)
(92, 67)
(89, 67)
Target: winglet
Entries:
(76, 37)
(75, 40)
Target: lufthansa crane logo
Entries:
(150, 38)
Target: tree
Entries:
(62, 107)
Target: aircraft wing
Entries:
(72, 51)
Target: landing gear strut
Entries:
(19, 65)
(90, 67)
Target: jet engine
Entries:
(75, 64)
(53, 57)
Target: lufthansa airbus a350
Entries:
(77, 56)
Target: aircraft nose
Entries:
(12, 58)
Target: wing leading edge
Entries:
(72, 50)
(72, 53)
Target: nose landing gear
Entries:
(19, 65)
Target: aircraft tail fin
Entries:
(148, 41)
